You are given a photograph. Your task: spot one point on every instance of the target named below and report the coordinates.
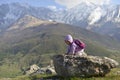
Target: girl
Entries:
(73, 48)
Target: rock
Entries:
(49, 70)
(34, 68)
(85, 66)
(112, 62)
(52, 70)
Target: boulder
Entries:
(33, 68)
(48, 70)
(84, 66)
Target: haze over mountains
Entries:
(102, 19)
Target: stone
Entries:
(84, 66)
(34, 68)
(49, 70)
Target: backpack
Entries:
(79, 43)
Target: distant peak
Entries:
(88, 3)
(28, 21)
(28, 17)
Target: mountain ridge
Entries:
(51, 27)
(19, 49)
(100, 19)
(28, 21)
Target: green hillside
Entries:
(23, 46)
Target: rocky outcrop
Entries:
(48, 70)
(34, 69)
(85, 66)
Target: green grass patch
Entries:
(111, 76)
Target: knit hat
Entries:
(69, 38)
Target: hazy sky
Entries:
(60, 3)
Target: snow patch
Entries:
(95, 16)
(10, 14)
(52, 8)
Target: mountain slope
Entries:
(35, 44)
(10, 13)
(32, 28)
(27, 22)
(28, 26)
(101, 19)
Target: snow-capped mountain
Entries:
(79, 14)
(91, 16)
(103, 19)
(9, 13)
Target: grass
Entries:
(111, 76)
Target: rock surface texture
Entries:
(86, 66)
